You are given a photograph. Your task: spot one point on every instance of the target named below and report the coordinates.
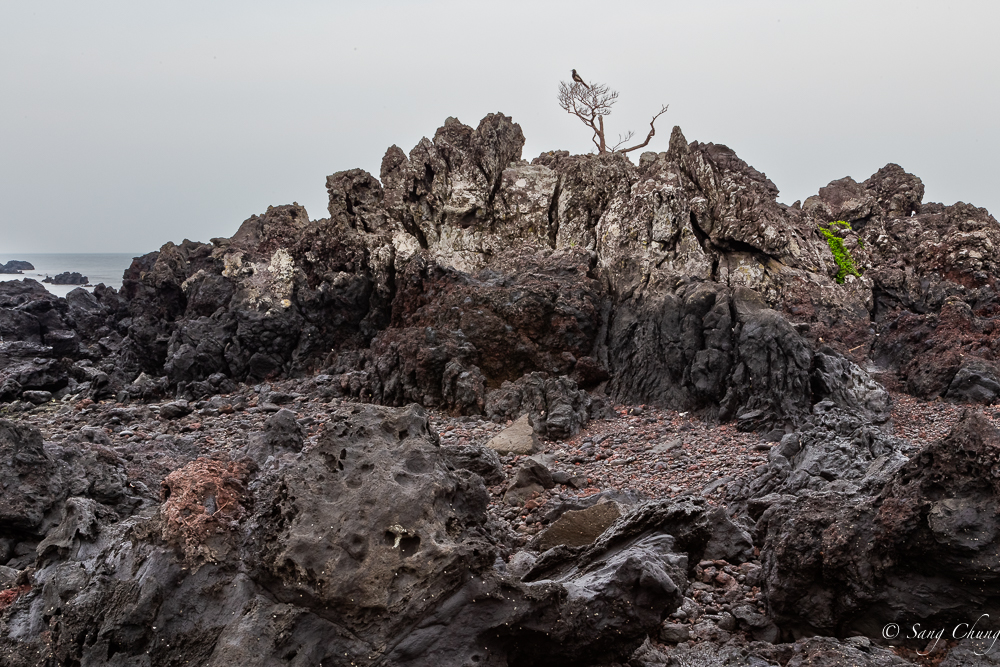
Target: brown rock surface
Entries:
(577, 528)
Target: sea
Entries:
(104, 268)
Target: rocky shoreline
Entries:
(492, 412)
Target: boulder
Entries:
(557, 408)
(518, 438)
(37, 397)
(976, 381)
(530, 479)
(175, 410)
(483, 461)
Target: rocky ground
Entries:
(635, 453)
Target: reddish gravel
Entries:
(657, 453)
(922, 422)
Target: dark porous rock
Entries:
(697, 529)
(481, 460)
(717, 350)
(844, 383)
(921, 549)
(16, 266)
(282, 434)
(770, 383)
(674, 633)
(45, 475)
(64, 342)
(973, 653)
(10, 390)
(363, 547)
(834, 447)
(25, 466)
(806, 652)
(175, 410)
(673, 349)
(146, 388)
(67, 278)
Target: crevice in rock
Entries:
(554, 213)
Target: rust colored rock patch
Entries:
(201, 504)
(10, 596)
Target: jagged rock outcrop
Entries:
(472, 281)
(680, 281)
(57, 345)
(919, 547)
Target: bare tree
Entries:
(591, 104)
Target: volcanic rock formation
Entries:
(472, 282)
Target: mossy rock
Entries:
(845, 263)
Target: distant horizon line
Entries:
(75, 253)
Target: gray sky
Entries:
(124, 125)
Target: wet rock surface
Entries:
(568, 411)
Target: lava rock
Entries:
(530, 479)
(481, 460)
(37, 397)
(175, 410)
(16, 266)
(918, 550)
(67, 278)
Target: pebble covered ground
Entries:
(641, 452)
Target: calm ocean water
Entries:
(104, 268)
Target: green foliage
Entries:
(845, 263)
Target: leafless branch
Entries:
(622, 140)
(652, 130)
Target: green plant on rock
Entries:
(845, 263)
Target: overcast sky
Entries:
(124, 125)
